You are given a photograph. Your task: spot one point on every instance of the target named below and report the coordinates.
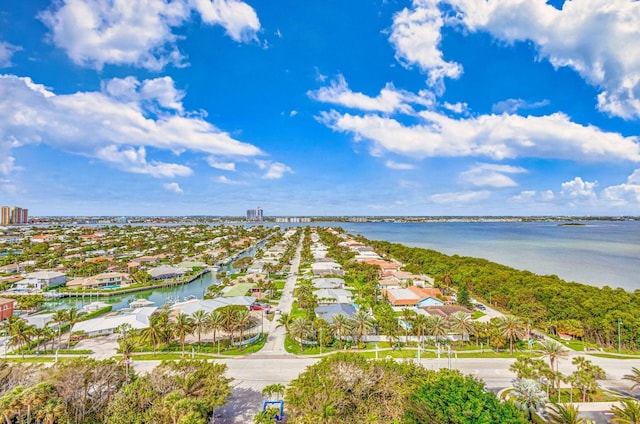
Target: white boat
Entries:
(141, 303)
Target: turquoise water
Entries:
(599, 253)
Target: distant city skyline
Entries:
(13, 215)
(359, 108)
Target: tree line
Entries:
(546, 301)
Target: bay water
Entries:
(598, 253)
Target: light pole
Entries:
(619, 344)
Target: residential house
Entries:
(414, 296)
(326, 296)
(138, 319)
(41, 280)
(6, 308)
(164, 272)
(328, 283)
(327, 312)
(190, 306)
(386, 267)
(106, 279)
(238, 289)
(320, 269)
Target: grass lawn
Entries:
(477, 314)
(612, 356)
(35, 359)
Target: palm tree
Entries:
(529, 397)
(127, 346)
(564, 413)
(19, 332)
(511, 328)
(72, 317)
(59, 317)
(462, 323)
(229, 320)
(243, 320)
(340, 325)
(419, 326)
(361, 324)
(300, 329)
(284, 321)
(634, 377)
(214, 322)
(437, 327)
(155, 333)
(553, 350)
(183, 326)
(627, 413)
(272, 389)
(199, 318)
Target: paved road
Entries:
(251, 374)
(275, 340)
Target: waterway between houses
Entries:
(159, 296)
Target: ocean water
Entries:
(599, 253)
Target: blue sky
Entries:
(211, 107)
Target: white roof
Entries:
(325, 265)
(190, 306)
(328, 283)
(166, 269)
(340, 295)
(403, 294)
(45, 275)
(137, 319)
(39, 320)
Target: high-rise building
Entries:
(5, 215)
(254, 215)
(14, 215)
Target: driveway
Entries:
(103, 347)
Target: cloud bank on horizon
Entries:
(432, 107)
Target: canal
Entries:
(196, 288)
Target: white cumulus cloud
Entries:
(491, 175)
(138, 32)
(579, 189)
(224, 166)
(626, 193)
(493, 136)
(6, 52)
(274, 170)
(460, 197)
(416, 36)
(398, 165)
(173, 187)
(596, 38)
(113, 125)
(389, 99)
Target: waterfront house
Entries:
(106, 279)
(190, 306)
(138, 319)
(164, 272)
(41, 280)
